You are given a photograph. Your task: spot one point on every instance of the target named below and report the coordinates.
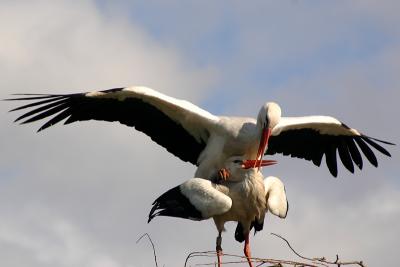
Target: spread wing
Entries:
(177, 125)
(312, 137)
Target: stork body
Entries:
(201, 138)
(229, 136)
(244, 198)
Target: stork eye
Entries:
(237, 161)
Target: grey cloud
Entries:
(69, 196)
(72, 197)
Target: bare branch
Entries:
(306, 261)
(260, 262)
(152, 245)
(242, 259)
(322, 259)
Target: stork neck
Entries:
(260, 128)
(259, 124)
(253, 174)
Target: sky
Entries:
(79, 195)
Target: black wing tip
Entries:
(360, 166)
(14, 109)
(32, 94)
(367, 151)
(332, 167)
(151, 217)
(366, 136)
(378, 140)
(373, 142)
(153, 213)
(40, 129)
(30, 97)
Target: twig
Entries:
(322, 259)
(198, 254)
(308, 262)
(294, 251)
(242, 259)
(152, 244)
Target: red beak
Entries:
(250, 163)
(263, 145)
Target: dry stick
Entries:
(315, 262)
(273, 261)
(276, 263)
(152, 244)
(197, 253)
(322, 259)
(279, 263)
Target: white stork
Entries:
(244, 198)
(195, 135)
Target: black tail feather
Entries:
(174, 204)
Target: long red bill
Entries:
(250, 163)
(261, 148)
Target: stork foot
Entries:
(223, 174)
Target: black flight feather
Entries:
(132, 112)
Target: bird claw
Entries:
(223, 174)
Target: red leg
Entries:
(219, 254)
(219, 249)
(246, 250)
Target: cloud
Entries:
(48, 240)
(80, 194)
(71, 197)
(59, 37)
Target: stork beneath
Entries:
(245, 197)
(203, 139)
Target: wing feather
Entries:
(59, 117)
(48, 112)
(179, 126)
(40, 109)
(355, 154)
(312, 137)
(376, 145)
(369, 154)
(330, 158)
(345, 157)
(34, 103)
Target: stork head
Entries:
(275, 195)
(268, 117)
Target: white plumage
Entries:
(277, 203)
(207, 199)
(245, 197)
